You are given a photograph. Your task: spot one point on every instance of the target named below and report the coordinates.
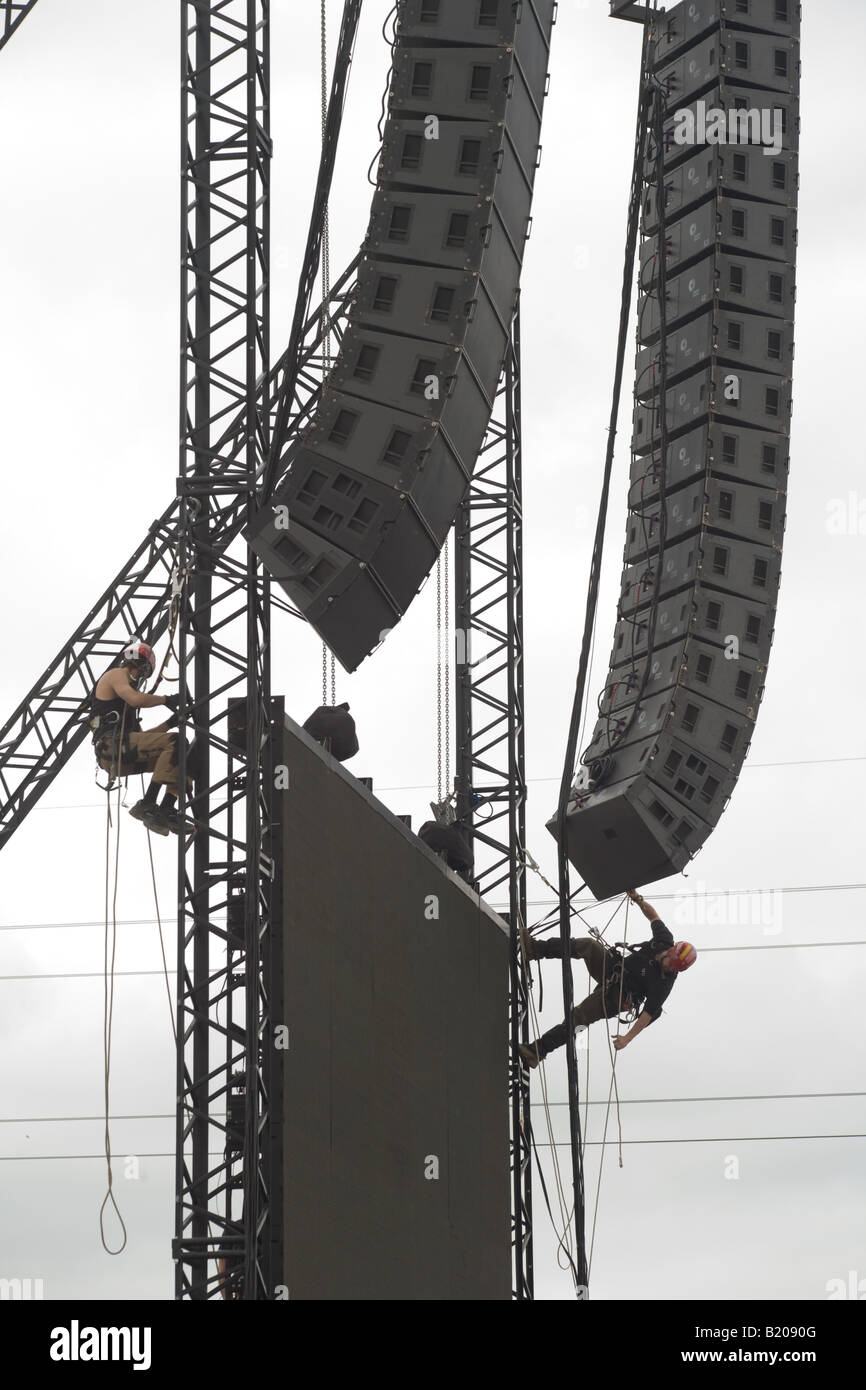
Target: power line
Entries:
(808, 762)
(537, 902)
(747, 767)
(592, 1143)
(658, 1100)
(683, 1100)
(705, 951)
(724, 1139)
(709, 893)
(423, 786)
(70, 1158)
(75, 1119)
(50, 926)
(82, 975)
(780, 946)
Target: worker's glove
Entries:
(171, 704)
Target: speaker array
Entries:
(374, 483)
(696, 613)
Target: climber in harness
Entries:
(122, 747)
(648, 975)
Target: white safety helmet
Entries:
(139, 654)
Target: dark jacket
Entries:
(643, 977)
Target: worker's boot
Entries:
(150, 816)
(173, 820)
(527, 945)
(530, 1054)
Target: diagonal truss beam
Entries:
(47, 727)
(12, 14)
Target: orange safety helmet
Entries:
(682, 954)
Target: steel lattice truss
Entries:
(13, 13)
(223, 655)
(225, 1178)
(47, 727)
(228, 1236)
(229, 1223)
(491, 779)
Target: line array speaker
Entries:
(374, 483)
(701, 578)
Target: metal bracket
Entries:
(626, 9)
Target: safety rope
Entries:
(108, 996)
(564, 1244)
(444, 786)
(446, 685)
(563, 1231)
(635, 202)
(655, 100)
(159, 927)
(165, 972)
(530, 863)
(580, 741)
(326, 223)
(326, 309)
(439, 678)
(612, 1089)
(600, 936)
(178, 580)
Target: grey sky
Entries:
(88, 440)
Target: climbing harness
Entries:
(614, 974)
(111, 746)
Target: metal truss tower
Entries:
(237, 415)
(490, 773)
(229, 944)
(229, 1229)
(227, 1183)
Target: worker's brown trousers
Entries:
(604, 1002)
(155, 751)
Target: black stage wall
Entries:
(396, 1163)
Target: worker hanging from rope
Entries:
(648, 975)
(123, 748)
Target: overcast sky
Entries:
(88, 440)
